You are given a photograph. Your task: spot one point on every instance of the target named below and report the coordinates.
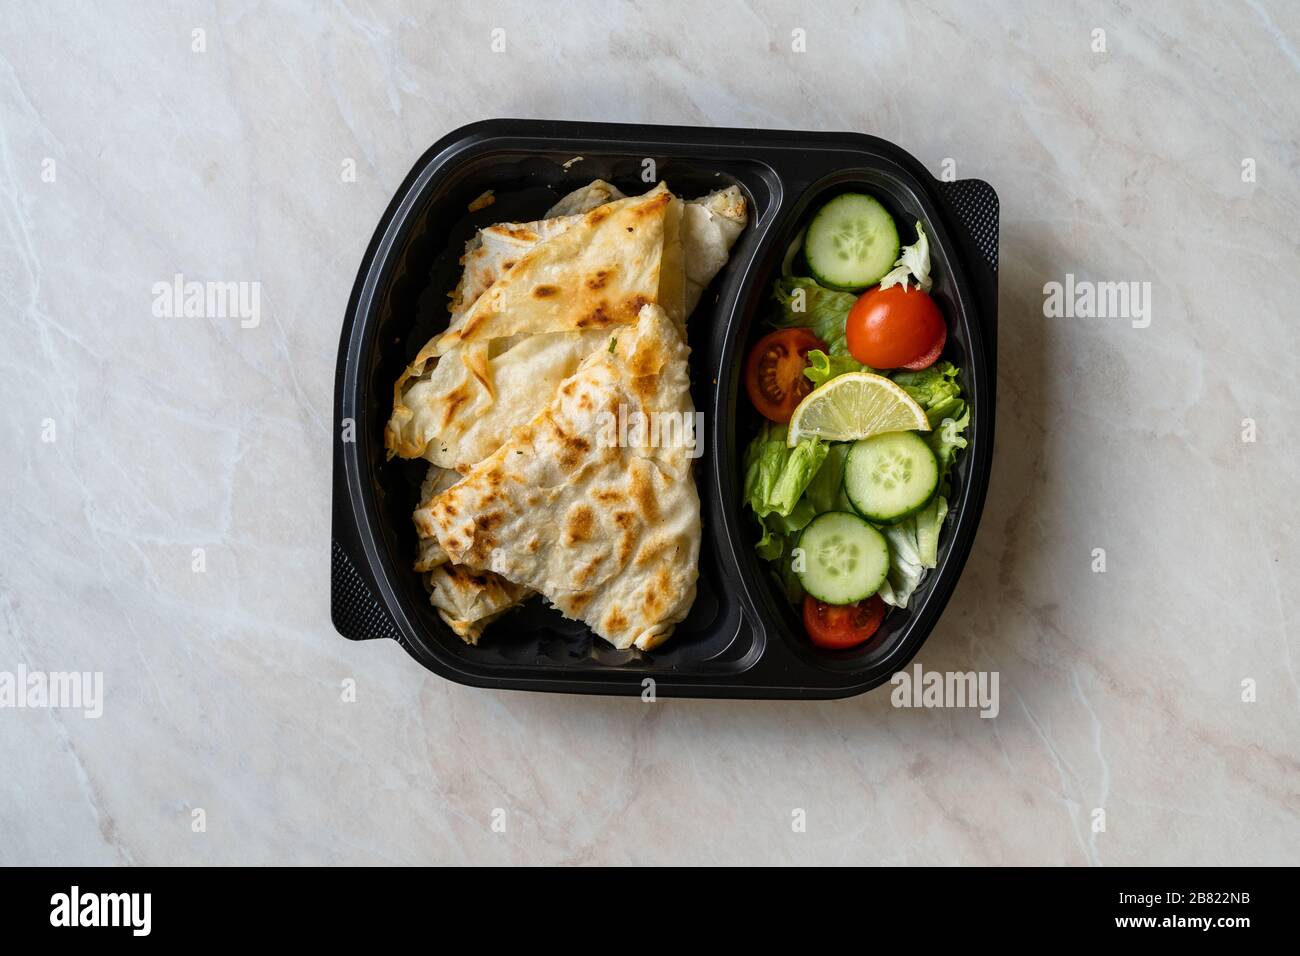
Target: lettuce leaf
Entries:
(822, 367)
(780, 531)
(928, 521)
(913, 550)
(771, 544)
(776, 479)
(935, 390)
(905, 566)
(826, 490)
(806, 304)
(945, 440)
(913, 263)
(776, 476)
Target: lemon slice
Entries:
(855, 405)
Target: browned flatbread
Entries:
(456, 407)
(609, 533)
(579, 278)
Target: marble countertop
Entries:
(1163, 691)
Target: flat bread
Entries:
(494, 250)
(436, 481)
(585, 198)
(595, 274)
(457, 409)
(430, 397)
(588, 276)
(451, 412)
(607, 530)
(469, 600)
(469, 402)
(710, 227)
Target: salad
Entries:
(848, 476)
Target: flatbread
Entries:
(469, 403)
(609, 534)
(469, 600)
(494, 250)
(710, 227)
(459, 400)
(587, 276)
(585, 198)
(466, 601)
(594, 274)
(436, 481)
(472, 396)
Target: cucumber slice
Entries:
(845, 559)
(890, 476)
(851, 242)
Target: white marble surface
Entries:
(1119, 690)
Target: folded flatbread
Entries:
(468, 409)
(603, 521)
(467, 600)
(458, 408)
(593, 274)
(494, 250)
(436, 481)
(586, 198)
(710, 226)
(470, 600)
(456, 412)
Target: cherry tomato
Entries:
(774, 374)
(889, 328)
(930, 357)
(837, 626)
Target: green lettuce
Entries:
(914, 542)
(776, 479)
(826, 490)
(928, 521)
(905, 567)
(771, 544)
(779, 530)
(806, 304)
(913, 264)
(776, 476)
(935, 390)
(946, 438)
(777, 546)
(913, 550)
(822, 367)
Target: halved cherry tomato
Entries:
(837, 626)
(894, 327)
(774, 374)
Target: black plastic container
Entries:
(741, 639)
